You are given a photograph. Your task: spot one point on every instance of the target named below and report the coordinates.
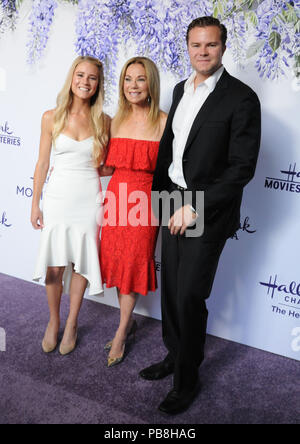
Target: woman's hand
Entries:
(106, 171)
(37, 218)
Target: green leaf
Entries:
(291, 15)
(220, 8)
(252, 17)
(274, 40)
(254, 48)
(18, 3)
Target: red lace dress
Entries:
(128, 238)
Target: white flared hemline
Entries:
(67, 246)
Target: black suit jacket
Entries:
(220, 154)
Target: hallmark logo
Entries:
(285, 297)
(7, 136)
(289, 182)
(244, 227)
(27, 191)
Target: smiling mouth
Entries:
(84, 89)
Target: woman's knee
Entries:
(54, 275)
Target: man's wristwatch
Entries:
(193, 210)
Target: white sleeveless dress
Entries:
(72, 205)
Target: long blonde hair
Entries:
(153, 80)
(99, 121)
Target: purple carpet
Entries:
(240, 385)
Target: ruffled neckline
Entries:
(135, 140)
(133, 154)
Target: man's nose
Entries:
(203, 51)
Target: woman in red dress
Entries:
(128, 238)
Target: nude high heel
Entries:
(47, 346)
(67, 349)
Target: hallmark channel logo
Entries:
(27, 190)
(4, 220)
(285, 297)
(7, 136)
(290, 180)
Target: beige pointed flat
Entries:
(131, 333)
(111, 362)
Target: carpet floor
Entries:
(240, 385)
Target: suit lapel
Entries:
(210, 103)
(174, 105)
(165, 147)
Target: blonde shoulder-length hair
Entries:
(153, 80)
(99, 121)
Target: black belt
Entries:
(177, 187)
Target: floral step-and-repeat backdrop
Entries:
(263, 32)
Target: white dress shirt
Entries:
(186, 112)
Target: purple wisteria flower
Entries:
(147, 28)
(40, 20)
(178, 16)
(276, 31)
(98, 35)
(267, 31)
(8, 15)
(103, 26)
(237, 37)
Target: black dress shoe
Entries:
(177, 403)
(157, 371)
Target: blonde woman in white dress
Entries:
(76, 132)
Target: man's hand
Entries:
(181, 219)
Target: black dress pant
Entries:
(188, 270)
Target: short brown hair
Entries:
(202, 22)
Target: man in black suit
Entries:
(210, 144)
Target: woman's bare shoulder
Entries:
(49, 115)
(163, 116)
(113, 127)
(48, 119)
(162, 121)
